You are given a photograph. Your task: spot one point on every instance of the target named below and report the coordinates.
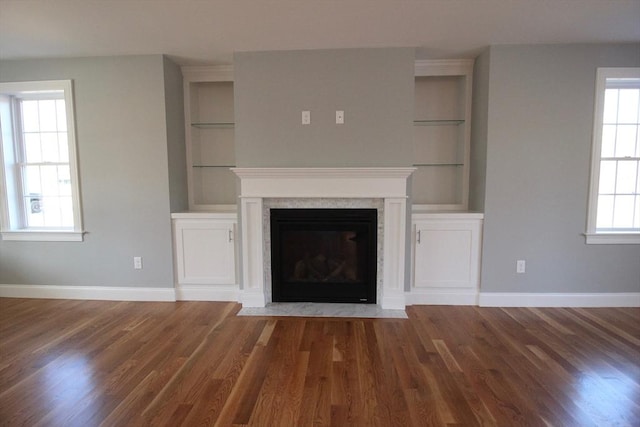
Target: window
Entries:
(40, 191)
(614, 199)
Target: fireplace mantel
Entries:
(389, 184)
(323, 182)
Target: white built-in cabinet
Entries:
(442, 129)
(446, 258)
(446, 249)
(447, 240)
(205, 256)
(209, 137)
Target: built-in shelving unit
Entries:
(209, 138)
(442, 134)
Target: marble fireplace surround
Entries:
(264, 188)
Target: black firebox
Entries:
(324, 255)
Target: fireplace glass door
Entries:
(324, 255)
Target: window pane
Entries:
(637, 141)
(628, 106)
(623, 211)
(626, 177)
(605, 212)
(30, 116)
(32, 150)
(61, 115)
(49, 180)
(48, 119)
(52, 214)
(608, 141)
(636, 216)
(50, 150)
(610, 106)
(626, 140)
(63, 144)
(64, 181)
(66, 212)
(32, 185)
(607, 177)
(35, 214)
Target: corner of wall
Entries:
(479, 134)
(174, 112)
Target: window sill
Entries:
(43, 236)
(612, 238)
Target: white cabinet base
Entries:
(446, 258)
(205, 256)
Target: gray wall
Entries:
(532, 127)
(122, 147)
(539, 127)
(373, 86)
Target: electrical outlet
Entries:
(520, 266)
(137, 262)
(306, 117)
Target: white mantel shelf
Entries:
(370, 172)
(387, 183)
(324, 182)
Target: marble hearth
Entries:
(382, 188)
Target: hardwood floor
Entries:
(89, 363)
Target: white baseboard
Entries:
(442, 297)
(207, 293)
(393, 302)
(107, 293)
(253, 299)
(507, 299)
(232, 293)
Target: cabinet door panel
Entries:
(446, 254)
(443, 258)
(205, 253)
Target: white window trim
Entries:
(592, 236)
(64, 235)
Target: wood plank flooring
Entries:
(91, 363)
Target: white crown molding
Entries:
(195, 73)
(443, 67)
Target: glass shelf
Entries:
(437, 122)
(437, 164)
(213, 125)
(214, 166)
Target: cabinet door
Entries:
(205, 252)
(446, 254)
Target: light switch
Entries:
(306, 117)
(339, 117)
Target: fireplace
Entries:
(324, 255)
(260, 186)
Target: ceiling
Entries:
(209, 31)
